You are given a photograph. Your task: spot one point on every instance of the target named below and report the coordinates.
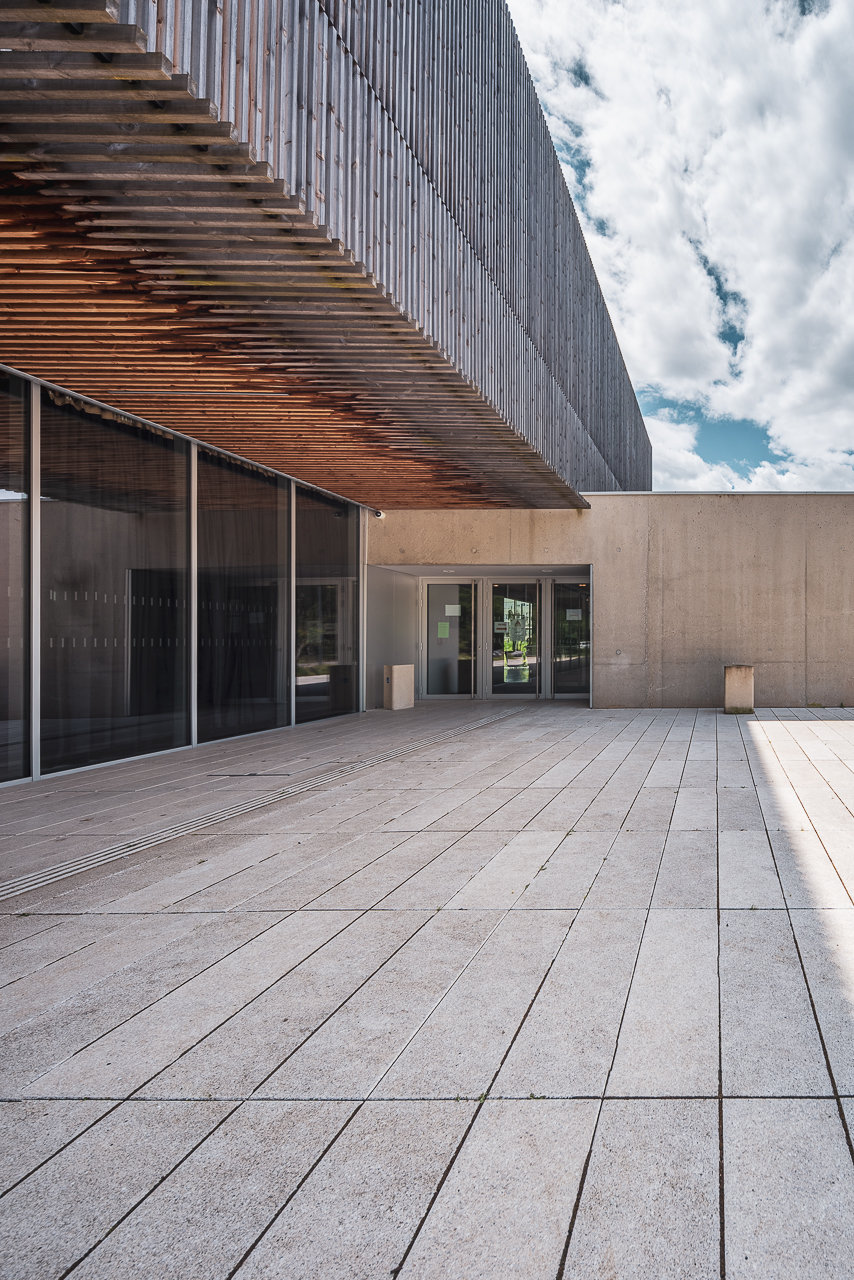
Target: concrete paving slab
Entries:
(695, 808)
(37, 952)
(652, 809)
(14, 929)
(354, 1217)
(238, 1057)
(649, 1206)
(32, 1132)
(91, 891)
(436, 884)
(564, 881)
(522, 809)
(564, 811)
(566, 1046)
(808, 876)
(459, 1048)
(270, 870)
(668, 1042)
(375, 882)
(628, 876)
(506, 1204)
(37, 992)
(789, 1190)
(320, 875)
(350, 1053)
(49, 1221)
(435, 809)
(739, 809)
(666, 772)
(688, 874)
(748, 875)
(506, 876)
(33, 1048)
(471, 812)
(120, 1062)
(781, 808)
(826, 943)
(204, 1217)
(765, 1005)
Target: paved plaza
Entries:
(468, 991)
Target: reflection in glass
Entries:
(243, 599)
(450, 637)
(514, 638)
(114, 570)
(327, 575)
(572, 639)
(14, 578)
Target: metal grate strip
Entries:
(62, 870)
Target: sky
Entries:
(709, 149)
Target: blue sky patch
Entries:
(733, 304)
(740, 443)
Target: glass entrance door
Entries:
(515, 638)
(571, 640)
(450, 638)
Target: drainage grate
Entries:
(39, 879)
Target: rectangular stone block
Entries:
(738, 690)
(399, 687)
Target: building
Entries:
(273, 269)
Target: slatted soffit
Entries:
(332, 237)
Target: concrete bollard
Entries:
(738, 691)
(398, 687)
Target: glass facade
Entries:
(243, 583)
(114, 543)
(14, 577)
(121, 592)
(326, 618)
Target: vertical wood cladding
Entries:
(411, 131)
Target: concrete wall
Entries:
(683, 584)
(392, 631)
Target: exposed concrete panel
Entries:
(392, 637)
(727, 583)
(683, 585)
(830, 600)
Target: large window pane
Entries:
(14, 578)
(572, 639)
(327, 564)
(450, 638)
(243, 599)
(515, 625)
(114, 574)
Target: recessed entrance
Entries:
(502, 636)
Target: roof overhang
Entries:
(148, 261)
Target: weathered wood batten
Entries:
(331, 236)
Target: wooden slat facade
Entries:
(330, 235)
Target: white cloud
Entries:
(719, 136)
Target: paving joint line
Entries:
(561, 1269)
(824, 1049)
(485, 1097)
(87, 862)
